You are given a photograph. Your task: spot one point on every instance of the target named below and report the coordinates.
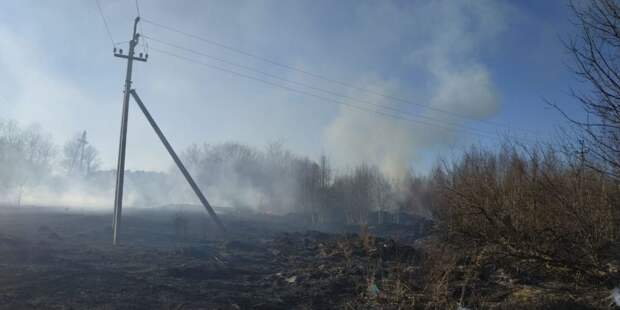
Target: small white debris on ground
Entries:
(615, 296)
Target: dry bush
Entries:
(367, 240)
(549, 212)
(440, 265)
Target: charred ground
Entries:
(62, 260)
(65, 260)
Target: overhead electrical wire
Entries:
(105, 23)
(325, 78)
(467, 130)
(391, 108)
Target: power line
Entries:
(123, 42)
(273, 62)
(326, 99)
(105, 23)
(144, 45)
(322, 77)
(394, 109)
(273, 76)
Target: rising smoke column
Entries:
(448, 57)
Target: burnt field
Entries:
(64, 260)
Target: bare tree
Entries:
(324, 187)
(418, 195)
(343, 189)
(308, 181)
(361, 193)
(382, 192)
(25, 157)
(596, 52)
(38, 152)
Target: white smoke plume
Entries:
(458, 83)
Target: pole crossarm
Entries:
(127, 57)
(177, 160)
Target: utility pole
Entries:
(83, 142)
(120, 169)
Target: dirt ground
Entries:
(65, 260)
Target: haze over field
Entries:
(393, 85)
(471, 58)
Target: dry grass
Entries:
(537, 214)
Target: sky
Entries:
(451, 74)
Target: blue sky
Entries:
(493, 61)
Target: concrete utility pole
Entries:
(83, 142)
(120, 172)
(120, 169)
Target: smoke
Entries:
(76, 195)
(236, 175)
(224, 186)
(230, 174)
(447, 57)
(356, 137)
(95, 193)
(32, 172)
(446, 41)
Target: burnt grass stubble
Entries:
(65, 260)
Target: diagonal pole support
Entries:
(177, 161)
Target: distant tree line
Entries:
(270, 179)
(276, 180)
